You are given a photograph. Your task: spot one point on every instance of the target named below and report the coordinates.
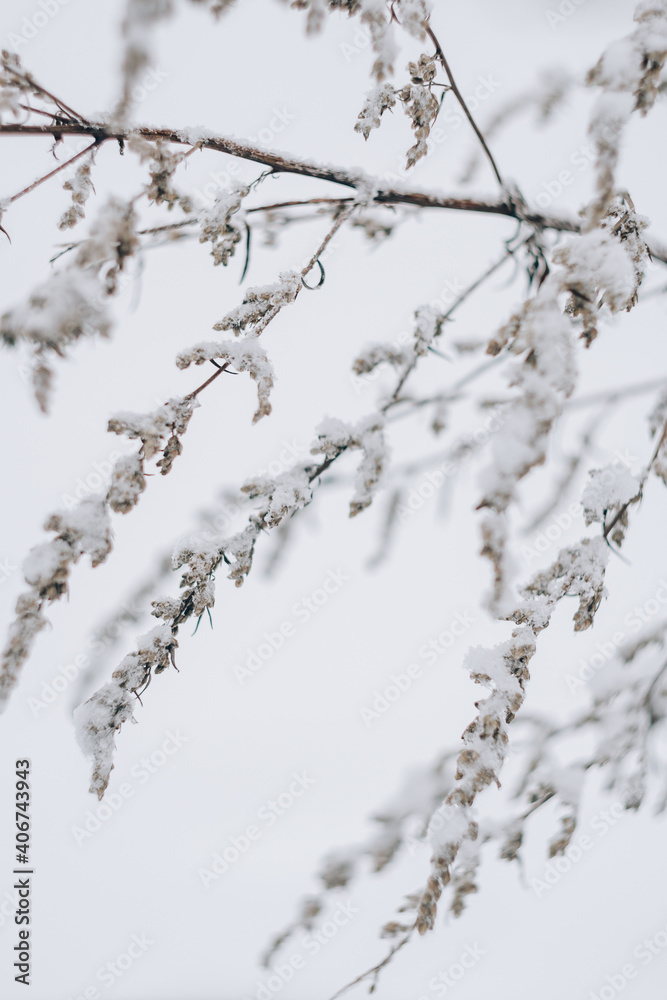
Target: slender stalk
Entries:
(330, 235)
(290, 165)
(459, 97)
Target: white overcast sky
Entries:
(242, 744)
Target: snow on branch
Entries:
(81, 187)
(98, 720)
(247, 355)
(152, 428)
(261, 303)
(378, 100)
(86, 529)
(627, 713)
(592, 276)
(162, 165)
(419, 103)
(279, 499)
(600, 272)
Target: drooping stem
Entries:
(442, 59)
(56, 170)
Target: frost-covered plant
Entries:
(577, 285)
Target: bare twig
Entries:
(214, 376)
(459, 97)
(466, 293)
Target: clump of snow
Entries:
(246, 355)
(608, 489)
(261, 302)
(378, 100)
(286, 494)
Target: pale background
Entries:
(138, 873)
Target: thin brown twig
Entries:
(377, 969)
(40, 111)
(295, 203)
(459, 97)
(171, 226)
(214, 376)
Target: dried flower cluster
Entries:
(419, 103)
(218, 226)
(162, 164)
(81, 187)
